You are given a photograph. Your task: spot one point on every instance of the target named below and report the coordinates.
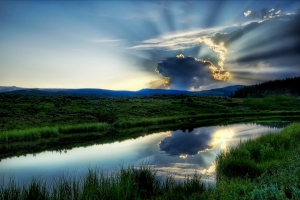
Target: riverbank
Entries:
(263, 168)
(32, 124)
(69, 137)
(32, 134)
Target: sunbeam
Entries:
(127, 39)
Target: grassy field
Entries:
(18, 112)
(31, 124)
(267, 167)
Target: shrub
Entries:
(266, 192)
(266, 152)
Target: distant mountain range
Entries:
(226, 91)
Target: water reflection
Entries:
(182, 144)
(178, 153)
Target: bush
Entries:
(266, 192)
(266, 152)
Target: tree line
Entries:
(288, 86)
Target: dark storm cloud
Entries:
(185, 72)
(186, 143)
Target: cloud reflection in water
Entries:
(183, 144)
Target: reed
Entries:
(125, 183)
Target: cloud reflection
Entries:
(179, 143)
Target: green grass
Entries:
(29, 134)
(267, 167)
(47, 132)
(104, 133)
(19, 112)
(79, 128)
(255, 156)
(125, 183)
(29, 117)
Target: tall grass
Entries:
(46, 132)
(255, 156)
(83, 128)
(268, 166)
(125, 183)
(29, 134)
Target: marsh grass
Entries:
(91, 127)
(29, 134)
(253, 157)
(126, 183)
(47, 132)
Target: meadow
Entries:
(30, 117)
(32, 124)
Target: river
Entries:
(177, 153)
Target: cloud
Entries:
(108, 42)
(274, 42)
(174, 41)
(247, 13)
(188, 73)
(264, 14)
(220, 49)
(278, 12)
(236, 51)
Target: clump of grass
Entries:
(46, 132)
(29, 134)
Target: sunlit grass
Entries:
(29, 134)
(46, 132)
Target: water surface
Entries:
(178, 153)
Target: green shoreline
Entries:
(32, 134)
(107, 134)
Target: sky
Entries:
(131, 45)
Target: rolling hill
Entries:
(226, 91)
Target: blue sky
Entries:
(130, 45)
